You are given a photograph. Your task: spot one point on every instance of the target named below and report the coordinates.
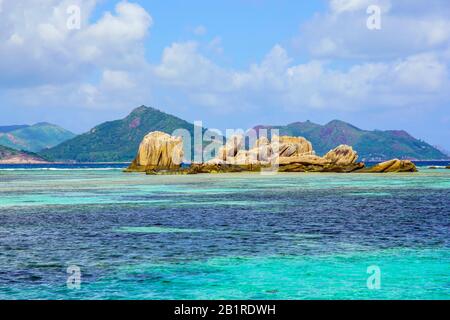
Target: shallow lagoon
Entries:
(241, 236)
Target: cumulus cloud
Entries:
(44, 64)
(215, 45)
(37, 48)
(407, 27)
(276, 80)
(182, 65)
(103, 65)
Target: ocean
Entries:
(93, 232)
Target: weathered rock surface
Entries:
(289, 154)
(158, 151)
(299, 167)
(342, 155)
(394, 165)
(286, 146)
(231, 148)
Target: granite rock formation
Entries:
(287, 146)
(340, 159)
(285, 153)
(342, 155)
(394, 165)
(158, 151)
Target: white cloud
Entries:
(103, 64)
(16, 40)
(200, 30)
(182, 65)
(314, 85)
(421, 72)
(407, 27)
(340, 6)
(117, 80)
(100, 66)
(38, 46)
(130, 23)
(215, 45)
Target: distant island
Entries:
(12, 156)
(33, 138)
(118, 141)
(371, 145)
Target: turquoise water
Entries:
(230, 236)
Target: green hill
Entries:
(117, 140)
(33, 138)
(370, 145)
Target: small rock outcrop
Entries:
(394, 165)
(447, 167)
(341, 159)
(158, 151)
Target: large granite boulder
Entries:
(158, 151)
(342, 155)
(286, 146)
(394, 165)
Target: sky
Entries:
(229, 64)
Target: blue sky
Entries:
(248, 29)
(230, 64)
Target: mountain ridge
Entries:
(33, 138)
(117, 140)
(371, 145)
